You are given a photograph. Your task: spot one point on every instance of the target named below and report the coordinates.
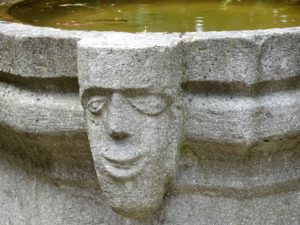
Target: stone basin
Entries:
(240, 147)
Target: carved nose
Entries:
(119, 135)
(118, 118)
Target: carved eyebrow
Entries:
(150, 105)
(127, 92)
(137, 91)
(96, 91)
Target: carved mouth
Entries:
(123, 168)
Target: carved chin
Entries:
(133, 183)
(133, 189)
(135, 200)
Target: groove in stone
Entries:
(239, 194)
(240, 88)
(59, 84)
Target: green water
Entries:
(159, 16)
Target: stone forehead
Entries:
(154, 62)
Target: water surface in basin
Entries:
(159, 15)
(4, 14)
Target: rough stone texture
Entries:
(242, 120)
(202, 210)
(132, 101)
(232, 59)
(280, 57)
(246, 57)
(32, 111)
(221, 170)
(240, 161)
(40, 52)
(133, 61)
(28, 199)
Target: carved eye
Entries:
(96, 104)
(150, 105)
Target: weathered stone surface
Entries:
(37, 52)
(27, 199)
(246, 56)
(280, 57)
(131, 61)
(132, 101)
(31, 111)
(238, 91)
(203, 210)
(242, 120)
(217, 170)
(233, 59)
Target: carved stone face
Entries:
(134, 139)
(133, 111)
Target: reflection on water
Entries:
(199, 23)
(159, 15)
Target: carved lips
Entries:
(124, 167)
